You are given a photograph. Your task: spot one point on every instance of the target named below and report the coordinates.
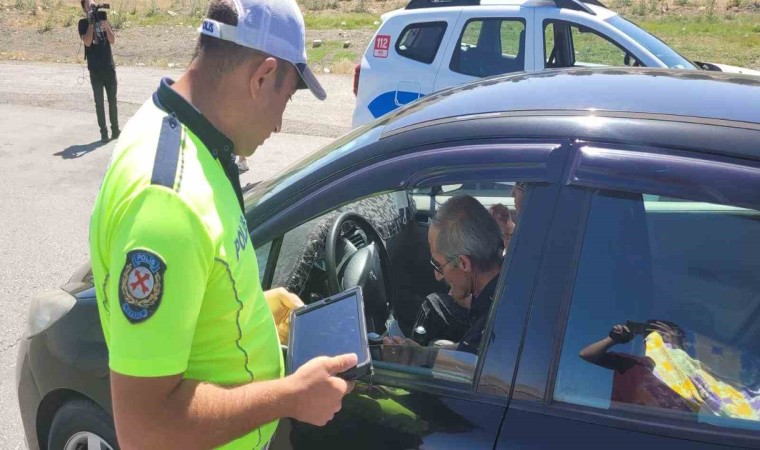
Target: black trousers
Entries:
(105, 79)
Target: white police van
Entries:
(434, 44)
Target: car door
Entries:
(419, 407)
(488, 41)
(669, 251)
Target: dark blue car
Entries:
(636, 198)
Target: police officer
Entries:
(193, 347)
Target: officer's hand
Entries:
(319, 393)
(282, 303)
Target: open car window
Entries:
(426, 315)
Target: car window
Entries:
(433, 334)
(420, 41)
(262, 256)
(658, 48)
(490, 47)
(549, 47)
(589, 48)
(664, 312)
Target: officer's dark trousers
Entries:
(105, 79)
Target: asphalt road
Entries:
(52, 165)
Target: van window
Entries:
(490, 47)
(420, 41)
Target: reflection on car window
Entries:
(262, 256)
(664, 311)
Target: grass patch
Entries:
(710, 38)
(640, 8)
(320, 5)
(197, 8)
(333, 56)
(29, 6)
(353, 21)
(330, 50)
(152, 9)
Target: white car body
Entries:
(392, 74)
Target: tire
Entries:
(79, 422)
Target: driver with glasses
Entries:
(465, 245)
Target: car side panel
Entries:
(28, 394)
(527, 429)
(387, 418)
(390, 82)
(72, 355)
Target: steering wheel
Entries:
(368, 267)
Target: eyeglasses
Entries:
(439, 267)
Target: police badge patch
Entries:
(141, 285)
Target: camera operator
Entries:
(97, 35)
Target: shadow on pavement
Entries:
(77, 151)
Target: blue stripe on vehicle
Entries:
(385, 103)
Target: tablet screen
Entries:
(331, 330)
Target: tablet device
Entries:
(330, 327)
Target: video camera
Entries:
(95, 11)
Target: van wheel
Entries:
(82, 425)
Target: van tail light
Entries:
(357, 71)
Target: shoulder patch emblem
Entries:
(141, 285)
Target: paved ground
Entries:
(52, 165)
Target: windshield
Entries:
(655, 46)
(311, 163)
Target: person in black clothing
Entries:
(98, 37)
(466, 253)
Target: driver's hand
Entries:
(282, 303)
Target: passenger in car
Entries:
(635, 380)
(503, 218)
(518, 192)
(465, 245)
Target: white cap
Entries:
(275, 27)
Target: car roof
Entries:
(592, 6)
(694, 110)
(688, 93)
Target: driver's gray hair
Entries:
(465, 227)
